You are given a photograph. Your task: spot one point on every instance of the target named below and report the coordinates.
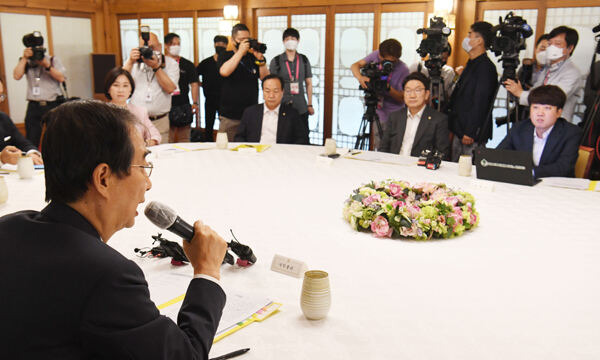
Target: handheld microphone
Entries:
(166, 218)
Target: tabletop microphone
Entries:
(166, 218)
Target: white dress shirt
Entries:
(412, 124)
(268, 133)
(148, 92)
(539, 144)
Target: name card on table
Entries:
(288, 266)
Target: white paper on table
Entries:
(384, 158)
(564, 182)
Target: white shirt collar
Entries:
(266, 109)
(418, 114)
(544, 135)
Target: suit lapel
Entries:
(400, 131)
(529, 134)
(280, 123)
(552, 141)
(261, 108)
(423, 125)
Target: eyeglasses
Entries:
(147, 168)
(415, 91)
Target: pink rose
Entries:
(380, 227)
(396, 190)
(371, 199)
(472, 219)
(413, 210)
(429, 188)
(452, 200)
(398, 204)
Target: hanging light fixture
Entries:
(230, 12)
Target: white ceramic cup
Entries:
(330, 146)
(315, 300)
(222, 141)
(465, 165)
(25, 167)
(3, 190)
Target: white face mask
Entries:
(465, 44)
(554, 52)
(174, 50)
(291, 44)
(542, 57)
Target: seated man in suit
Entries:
(67, 294)
(13, 143)
(272, 122)
(418, 127)
(553, 141)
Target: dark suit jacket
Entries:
(7, 128)
(560, 152)
(68, 295)
(290, 128)
(432, 133)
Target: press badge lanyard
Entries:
(294, 85)
(36, 91)
(149, 81)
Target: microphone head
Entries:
(160, 214)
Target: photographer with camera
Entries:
(447, 72)
(44, 75)
(155, 77)
(559, 70)
(473, 95)
(391, 98)
(241, 69)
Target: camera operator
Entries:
(241, 69)
(474, 92)
(155, 77)
(393, 100)
(559, 70)
(44, 75)
(447, 70)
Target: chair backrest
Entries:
(584, 161)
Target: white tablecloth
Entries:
(522, 285)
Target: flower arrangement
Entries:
(423, 211)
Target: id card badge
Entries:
(148, 97)
(36, 91)
(295, 88)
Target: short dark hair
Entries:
(547, 95)
(291, 32)
(81, 135)
(221, 38)
(484, 29)
(170, 36)
(571, 35)
(112, 76)
(239, 27)
(417, 76)
(272, 76)
(390, 47)
(541, 38)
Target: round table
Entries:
(519, 286)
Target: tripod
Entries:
(438, 90)
(370, 116)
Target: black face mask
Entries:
(220, 49)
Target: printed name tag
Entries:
(294, 88)
(148, 97)
(36, 91)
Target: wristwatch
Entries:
(49, 67)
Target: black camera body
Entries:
(35, 41)
(430, 159)
(378, 74)
(146, 51)
(509, 41)
(257, 46)
(437, 39)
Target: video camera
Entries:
(378, 74)
(146, 51)
(435, 44)
(509, 42)
(258, 46)
(35, 41)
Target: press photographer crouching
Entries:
(390, 98)
(559, 70)
(553, 141)
(44, 75)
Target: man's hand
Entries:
(244, 47)
(10, 155)
(466, 140)
(311, 110)
(206, 251)
(134, 55)
(153, 63)
(195, 109)
(37, 159)
(458, 70)
(363, 80)
(513, 87)
(27, 53)
(44, 62)
(257, 54)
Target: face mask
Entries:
(174, 50)
(554, 52)
(465, 44)
(219, 49)
(291, 44)
(542, 57)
